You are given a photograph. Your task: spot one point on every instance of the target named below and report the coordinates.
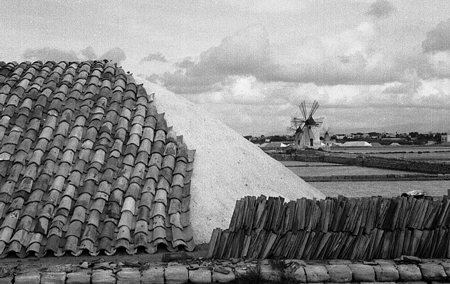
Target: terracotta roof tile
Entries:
(88, 164)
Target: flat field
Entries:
(375, 188)
(439, 154)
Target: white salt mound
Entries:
(227, 167)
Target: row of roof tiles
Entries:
(88, 164)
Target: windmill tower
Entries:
(327, 138)
(306, 128)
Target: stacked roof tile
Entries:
(88, 164)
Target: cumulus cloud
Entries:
(356, 68)
(397, 88)
(155, 57)
(381, 9)
(253, 85)
(89, 53)
(181, 83)
(115, 54)
(53, 54)
(268, 6)
(49, 54)
(238, 90)
(349, 58)
(346, 70)
(245, 53)
(345, 58)
(438, 39)
(187, 62)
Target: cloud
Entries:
(180, 83)
(345, 58)
(268, 6)
(381, 9)
(351, 69)
(402, 88)
(89, 53)
(49, 54)
(53, 54)
(245, 53)
(186, 63)
(115, 54)
(241, 54)
(438, 39)
(155, 57)
(343, 70)
(237, 90)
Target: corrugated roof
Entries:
(88, 164)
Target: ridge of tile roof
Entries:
(88, 164)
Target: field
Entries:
(420, 153)
(375, 188)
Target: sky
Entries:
(373, 65)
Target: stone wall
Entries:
(238, 271)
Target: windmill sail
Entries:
(306, 128)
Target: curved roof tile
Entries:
(88, 164)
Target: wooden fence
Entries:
(335, 228)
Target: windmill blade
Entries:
(302, 107)
(319, 120)
(297, 119)
(296, 122)
(291, 129)
(314, 107)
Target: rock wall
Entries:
(239, 271)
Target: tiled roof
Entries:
(88, 164)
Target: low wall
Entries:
(414, 166)
(335, 228)
(311, 157)
(239, 271)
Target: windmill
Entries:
(327, 138)
(306, 128)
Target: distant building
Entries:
(374, 135)
(445, 137)
(390, 135)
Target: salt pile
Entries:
(227, 167)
